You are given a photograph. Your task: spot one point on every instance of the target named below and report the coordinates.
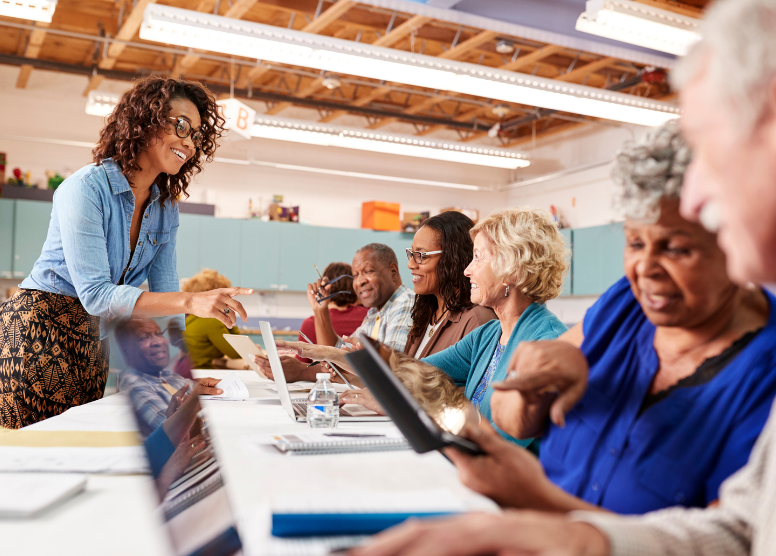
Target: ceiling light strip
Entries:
(639, 24)
(36, 10)
(357, 175)
(299, 131)
(274, 44)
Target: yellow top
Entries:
(205, 341)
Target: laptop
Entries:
(421, 431)
(297, 408)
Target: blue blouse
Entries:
(679, 449)
(87, 247)
(467, 360)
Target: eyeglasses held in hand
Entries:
(183, 130)
(322, 299)
(419, 256)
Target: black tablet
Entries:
(421, 431)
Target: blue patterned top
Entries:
(482, 387)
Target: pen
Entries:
(318, 271)
(339, 374)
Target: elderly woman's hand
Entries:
(218, 304)
(550, 376)
(363, 397)
(508, 474)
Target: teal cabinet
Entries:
(298, 250)
(259, 255)
(31, 224)
(567, 282)
(7, 207)
(187, 245)
(598, 258)
(219, 246)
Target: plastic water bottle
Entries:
(323, 404)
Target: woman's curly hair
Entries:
(457, 248)
(528, 251)
(650, 170)
(139, 116)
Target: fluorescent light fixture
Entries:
(36, 10)
(312, 133)
(101, 104)
(226, 35)
(640, 24)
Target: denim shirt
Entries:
(87, 247)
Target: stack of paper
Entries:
(233, 388)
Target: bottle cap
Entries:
(319, 376)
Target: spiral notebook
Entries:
(335, 442)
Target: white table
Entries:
(117, 516)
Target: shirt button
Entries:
(130, 268)
(680, 497)
(595, 486)
(146, 215)
(129, 218)
(613, 451)
(141, 243)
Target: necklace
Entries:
(433, 326)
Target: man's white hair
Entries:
(739, 46)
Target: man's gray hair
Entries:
(739, 45)
(384, 254)
(650, 170)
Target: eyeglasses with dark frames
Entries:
(322, 299)
(419, 256)
(183, 130)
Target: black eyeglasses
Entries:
(183, 130)
(419, 256)
(321, 299)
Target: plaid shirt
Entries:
(744, 523)
(391, 324)
(149, 396)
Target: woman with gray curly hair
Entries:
(673, 364)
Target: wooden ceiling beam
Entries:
(587, 69)
(312, 88)
(374, 94)
(532, 58)
(37, 36)
(460, 50)
(404, 30)
(332, 14)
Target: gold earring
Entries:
(506, 293)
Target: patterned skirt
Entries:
(51, 357)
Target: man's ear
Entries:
(395, 270)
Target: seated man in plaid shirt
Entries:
(378, 285)
(147, 379)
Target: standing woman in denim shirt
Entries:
(113, 226)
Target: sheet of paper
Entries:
(233, 389)
(369, 502)
(115, 460)
(25, 494)
(321, 436)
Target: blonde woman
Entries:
(205, 337)
(519, 262)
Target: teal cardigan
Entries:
(467, 360)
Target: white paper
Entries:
(233, 388)
(369, 502)
(24, 494)
(115, 460)
(342, 435)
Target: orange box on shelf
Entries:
(379, 215)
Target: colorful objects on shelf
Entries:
(379, 215)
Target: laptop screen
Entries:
(190, 489)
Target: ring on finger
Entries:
(226, 311)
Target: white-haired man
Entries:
(729, 117)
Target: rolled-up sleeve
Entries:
(86, 252)
(163, 274)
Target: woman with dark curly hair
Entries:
(443, 312)
(113, 226)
